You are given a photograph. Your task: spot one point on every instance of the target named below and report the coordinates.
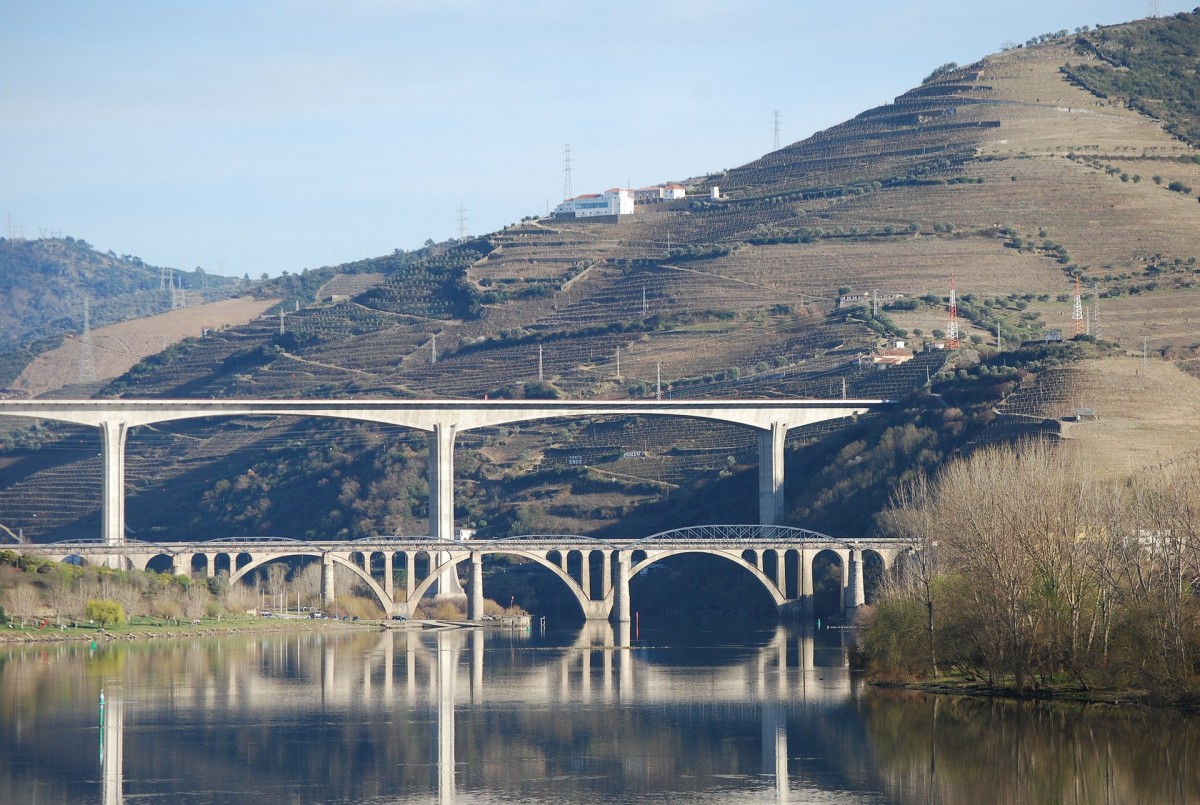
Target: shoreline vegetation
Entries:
(44, 601)
(148, 631)
(1031, 574)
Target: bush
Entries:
(106, 613)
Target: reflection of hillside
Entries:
(305, 711)
(1061, 753)
(403, 716)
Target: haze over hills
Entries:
(1015, 176)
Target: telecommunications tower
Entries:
(87, 357)
(952, 327)
(567, 173)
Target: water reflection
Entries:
(597, 715)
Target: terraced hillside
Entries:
(1016, 176)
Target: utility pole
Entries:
(540, 376)
(433, 350)
(618, 364)
(658, 381)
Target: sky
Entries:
(262, 136)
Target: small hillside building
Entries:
(611, 202)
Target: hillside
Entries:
(46, 283)
(1014, 176)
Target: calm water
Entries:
(747, 715)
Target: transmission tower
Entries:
(87, 357)
(952, 327)
(462, 223)
(776, 148)
(1095, 312)
(1077, 311)
(1154, 8)
(567, 173)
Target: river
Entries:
(752, 713)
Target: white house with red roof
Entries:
(612, 202)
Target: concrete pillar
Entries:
(855, 593)
(441, 481)
(114, 433)
(441, 503)
(621, 613)
(475, 586)
(781, 571)
(770, 473)
(327, 593)
(177, 568)
(585, 574)
(389, 582)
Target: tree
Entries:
(106, 613)
(938, 72)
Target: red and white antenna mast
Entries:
(1077, 310)
(952, 329)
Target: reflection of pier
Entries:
(437, 679)
(112, 749)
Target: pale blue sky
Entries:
(271, 135)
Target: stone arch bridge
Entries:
(597, 572)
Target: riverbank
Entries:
(1067, 694)
(150, 631)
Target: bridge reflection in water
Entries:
(445, 669)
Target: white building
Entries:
(611, 202)
(657, 193)
(673, 192)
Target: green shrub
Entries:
(106, 613)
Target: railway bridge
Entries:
(597, 572)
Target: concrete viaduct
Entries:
(442, 420)
(597, 572)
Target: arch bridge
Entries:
(442, 420)
(597, 572)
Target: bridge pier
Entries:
(855, 592)
(770, 473)
(621, 609)
(113, 434)
(441, 503)
(327, 592)
(804, 585)
(475, 585)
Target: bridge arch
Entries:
(734, 556)
(586, 605)
(384, 600)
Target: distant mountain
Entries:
(45, 283)
(1062, 165)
